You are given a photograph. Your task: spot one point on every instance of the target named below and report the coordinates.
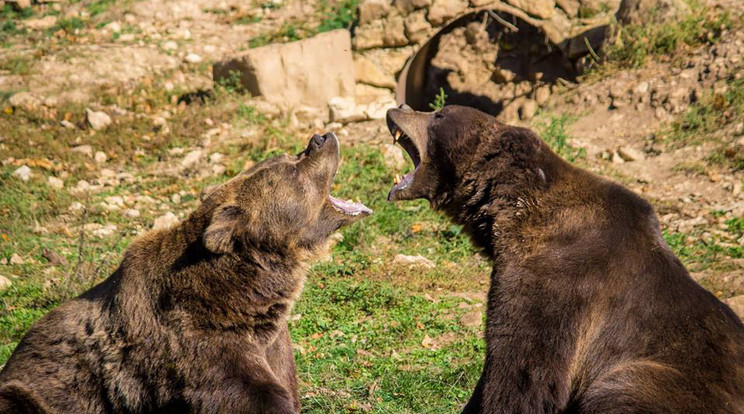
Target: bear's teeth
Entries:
(396, 180)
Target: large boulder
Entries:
(304, 73)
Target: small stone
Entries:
(369, 36)
(15, 259)
(527, 109)
(5, 283)
(472, 318)
(131, 213)
(395, 32)
(193, 58)
(24, 100)
(98, 120)
(105, 231)
(83, 149)
(370, 10)
(127, 37)
(739, 128)
(219, 169)
(542, 95)
(113, 27)
(417, 27)
(23, 172)
(443, 10)
(54, 258)
(100, 157)
(617, 159)
(55, 182)
(67, 124)
(192, 159)
(176, 198)
(216, 158)
(165, 221)
(540, 8)
(170, 45)
(46, 22)
(345, 110)
(82, 186)
(413, 261)
(630, 154)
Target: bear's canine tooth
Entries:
(398, 133)
(396, 180)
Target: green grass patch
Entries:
(17, 65)
(555, 134)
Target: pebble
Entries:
(216, 158)
(630, 154)
(23, 172)
(165, 221)
(170, 45)
(105, 231)
(100, 157)
(98, 120)
(191, 159)
(413, 261)
(5, 283)
(193, 58)
(55, 182)
(83, 149)
(15, 259)
(131, 213)
(67, 124)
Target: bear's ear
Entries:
(220, 235)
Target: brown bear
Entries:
(194, 320)
(589, 311)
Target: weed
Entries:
(17, 65)
(340, 16)
(69, 25)
(554, 133)
(439, 101)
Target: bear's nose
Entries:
(316, 142)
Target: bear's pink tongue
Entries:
(349, 207)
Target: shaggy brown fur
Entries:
(588, 310)
(194, 319)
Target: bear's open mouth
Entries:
(405, 141)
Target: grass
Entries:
(555, 134)
(633, 45)
(17, 65)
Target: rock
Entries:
(100, 157)
(23, 173)
(630, 154)
(192, 58)
(165, 221)
(373, 10)
(644, 12)
(378, 108)
(43, 23)
(55, 182)
(20, 4)
(5, 283)
(131, 213)
(24, 100)
(105, 230)
(395, 32)
(15, 259)
(407, 6)
(543, 9)
(218, 169)
(413, 261)
(170, 45)
(369, 36)
(98, 120)
(417, 27)
(472, 319)
(67, 124)
(617, 159)
(113, 27)
(326, 70)
(83, 149)
(737, 305)
(216, 158)
(571, 7)
(369, 73)
(542, 95)
(192, 159)
(444, 10)
(392, 157)
(345, 110)
(54, 258)
(527, 109)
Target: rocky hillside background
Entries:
(115, 115)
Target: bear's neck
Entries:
(218, 294)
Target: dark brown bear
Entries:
(195, 318)
(588, 309)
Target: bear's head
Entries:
(468, 164)
(279, 204)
